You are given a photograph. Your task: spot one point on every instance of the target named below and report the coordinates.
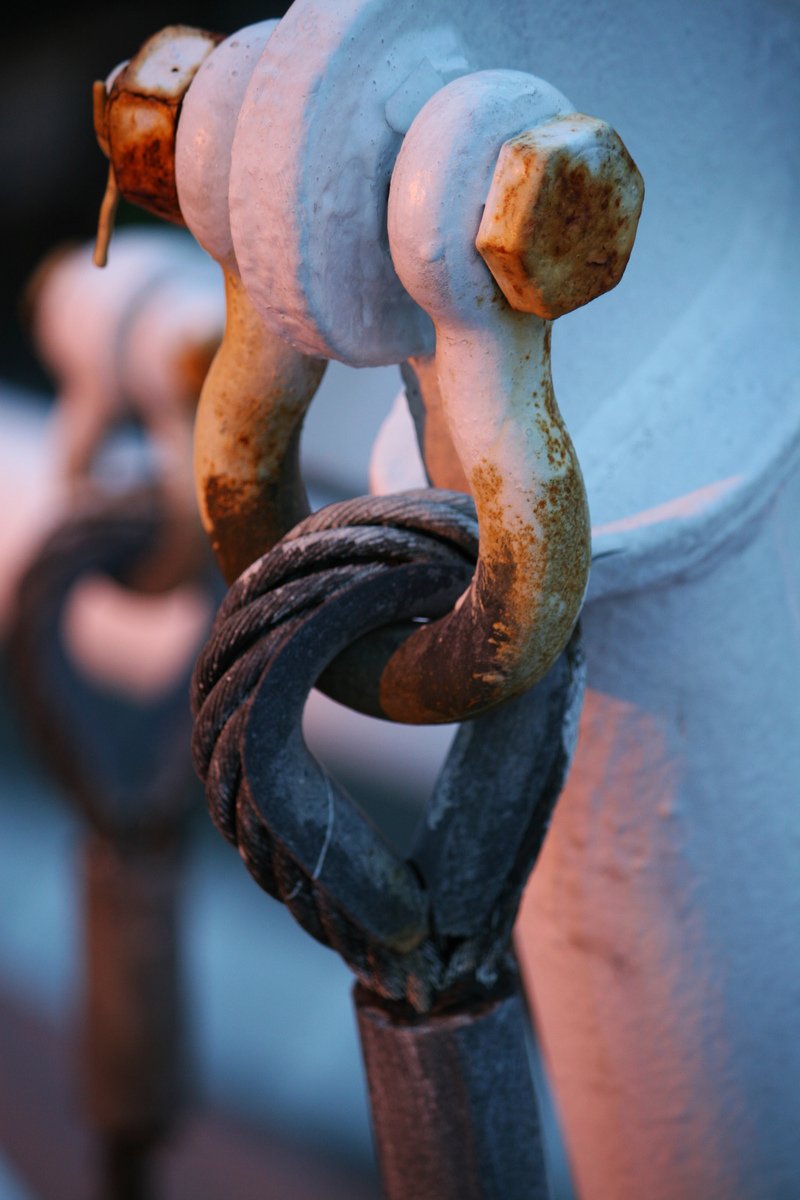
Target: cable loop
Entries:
(368, 571)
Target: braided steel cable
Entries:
(77, 725)
(419, 931)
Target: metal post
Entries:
(453, 1107)
(134, 1029)
(125, 765)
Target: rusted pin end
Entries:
(135, 121)
(110, 202)
(105, 221)
(561, 215)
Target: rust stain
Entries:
(135, 125)
(192, 364)
(516, 185)
(576, 243)
(230, 509)
(556, 234)
(546, 349)
(245, 521)
(142, 144)
(518, 612)
(247, 438)
(248, 511)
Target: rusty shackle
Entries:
(556, 212)
(248, 424)
(506, 209)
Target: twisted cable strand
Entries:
(334, 550)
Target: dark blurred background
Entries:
(53, 173)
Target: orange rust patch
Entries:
(248, 436)
(526, 562)
(240, 528)
(246, 515)
(577, 243)
(554, 233)
(136, 127)
(517, 614)
(549, 397)
(142, 144)
(192, 365)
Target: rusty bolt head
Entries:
(561, 215)
(135, 121)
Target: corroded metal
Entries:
(493, 372)
(561, 215)
(247, 437)
(259, 387)
(136, 117)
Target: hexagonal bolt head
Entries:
(561, 215)
(135, 121)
